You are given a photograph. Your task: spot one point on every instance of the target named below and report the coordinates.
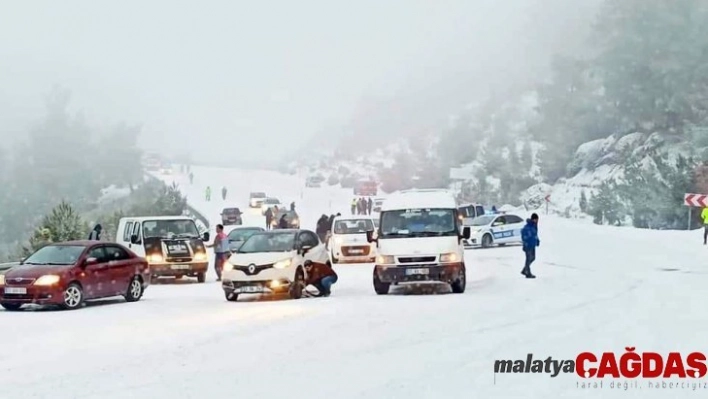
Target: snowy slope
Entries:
(599, 289)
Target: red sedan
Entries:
(69, 273)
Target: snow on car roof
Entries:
(354, 217)
(144, 218)
(417, 199)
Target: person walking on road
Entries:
(268, 218)
(191, 178)
(221, 250)
(207, 195)
(223, 193)
(704, 216)
(529, 237)
(370, 205)
(354, 206)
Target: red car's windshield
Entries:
(56, 255)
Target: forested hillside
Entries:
(619, 131)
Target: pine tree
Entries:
(61, 224)
(583, 202)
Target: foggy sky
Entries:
(255, 79)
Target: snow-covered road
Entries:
(598, 289)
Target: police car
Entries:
(491, 230)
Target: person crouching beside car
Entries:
(321, 276)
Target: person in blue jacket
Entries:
(529, 237)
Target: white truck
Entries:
(420, 238)
(172, 245)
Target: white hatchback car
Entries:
(271, 262)
(491, 230)
(348, 243)
(270, 203)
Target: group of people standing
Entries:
(271, 214)
(362, 206)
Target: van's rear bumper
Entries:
(446, 273)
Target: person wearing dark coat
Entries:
(321, 276)
(268, 218)
(322, 227)
(95, 234)
(283, 223)
(330, 223)
(370, 205)
(529, 238)
(292, 206)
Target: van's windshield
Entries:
(180, 228)
(418, 223)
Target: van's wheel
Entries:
(486, 241)
(231, 297)
(458, 286)
(201, 277)
(380, 287)
(334, 260)
(135, 290)
(73, 297)
(297, 286)
(11, 306)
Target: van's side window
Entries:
(136, 230)
(127, 231)
(480, 211)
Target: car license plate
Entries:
(15, 290)
(251, 289)
(417, 272)
(180, 267)
(357, 251)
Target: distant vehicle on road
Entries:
(348, 243)
(255, 200)
(291, 216)
(231, 216)
(270, 203)
(313, 182)
(366, 188)
(467, 212)
(378, 203)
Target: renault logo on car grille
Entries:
(19, 279)
(251, 268)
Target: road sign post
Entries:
(694, 200)
(548, 200)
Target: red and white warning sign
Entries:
(698, 200)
